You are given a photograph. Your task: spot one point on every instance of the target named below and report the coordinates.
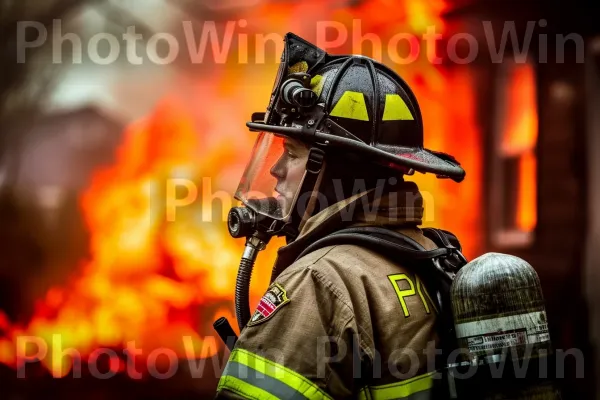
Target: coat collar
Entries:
(395, 210)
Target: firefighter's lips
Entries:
(281, 198)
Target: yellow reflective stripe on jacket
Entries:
(417, 388)
(253, 376)
(242, 388)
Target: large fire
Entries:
(162, 271)
(150, 274)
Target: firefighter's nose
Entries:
(278, 169)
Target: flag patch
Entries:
(272, 300)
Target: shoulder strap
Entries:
(445, 239)
(447, 259)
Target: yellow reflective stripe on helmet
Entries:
(258, 372)
(396, 109)
(301, 66)
(351, 105)
(316, 84)
(414, 388)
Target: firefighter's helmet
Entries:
(351, 103)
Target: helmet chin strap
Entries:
(312, 180)
(310, 206)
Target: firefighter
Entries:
(339, 135)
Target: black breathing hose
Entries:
(242, 222)
(242, 291)
(254, 244)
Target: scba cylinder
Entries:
(501, 330)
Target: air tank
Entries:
(502, 331)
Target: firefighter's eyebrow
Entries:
(290, 146)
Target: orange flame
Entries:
(519, 139)
(152, 279)
(148, 277)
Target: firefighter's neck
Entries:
(378, 206)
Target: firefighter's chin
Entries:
(283, 202)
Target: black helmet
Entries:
(351, 103)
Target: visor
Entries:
(274, 175)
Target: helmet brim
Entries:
(415, 158)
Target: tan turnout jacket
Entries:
(342, 321)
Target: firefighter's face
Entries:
(289, 170)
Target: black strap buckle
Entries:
(315, 160)
(314, 121)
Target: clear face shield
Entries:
(273, 178)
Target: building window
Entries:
(513, 197)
